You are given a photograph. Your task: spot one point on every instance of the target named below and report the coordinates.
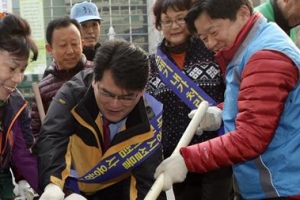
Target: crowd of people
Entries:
(114, 113)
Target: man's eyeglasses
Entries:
(124, 99)
(169, 23)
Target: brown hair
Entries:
(161, 6)
(15, 36)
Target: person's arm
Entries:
(24, 163)
(53, 144)
(266, 82)
(26, 131)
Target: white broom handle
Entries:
(185, 139)
(38, 100)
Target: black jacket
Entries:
(70, 134)
(50, 84)
(90, 53)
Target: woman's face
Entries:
(12, 72)
(173, 26)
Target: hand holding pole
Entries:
(185, 139)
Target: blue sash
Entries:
(128, 158)
(186, 89)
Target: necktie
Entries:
(106, 133)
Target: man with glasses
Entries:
(101, 135)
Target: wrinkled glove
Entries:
(75, 196)
(212, 120)
(52, 192)
(174, 170)
(23, 190)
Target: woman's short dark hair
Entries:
(161, 6)
(15, 36)
(128, 63)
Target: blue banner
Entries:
(131, 156)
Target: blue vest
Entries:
(276, 172)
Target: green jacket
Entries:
(267, 10)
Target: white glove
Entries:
(212, 120)
(24, 191)
(174, 170)
(52, 192)
(75, 196)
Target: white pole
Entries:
(111, 33)
(51, 10)
(110, 18)
(111, 30)
(184, 141)
(130, 27)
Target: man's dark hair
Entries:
(129, 64)
(215, 9)
(58, 23)
(161, 6)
